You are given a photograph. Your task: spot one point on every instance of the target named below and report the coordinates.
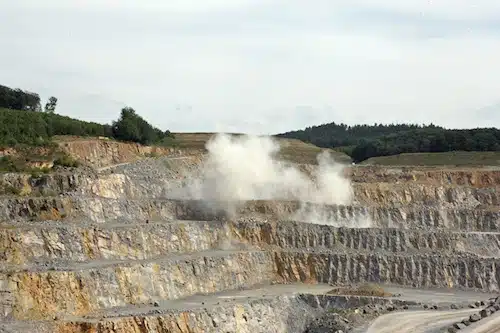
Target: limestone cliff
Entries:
(119, 250)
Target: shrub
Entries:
(366, 289)
(7, 164)
(66, 161)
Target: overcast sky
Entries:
(258, 66)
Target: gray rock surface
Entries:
(120, 250)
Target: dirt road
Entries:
(418, 321)
(485, 325)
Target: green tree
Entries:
(19, 99)
(132, 127)
(50, 107)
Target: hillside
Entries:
(37, 128)
(365, 141)
(32, 141)
(290, 149)
(455, 158)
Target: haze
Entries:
(258, 66)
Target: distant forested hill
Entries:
(364, 141)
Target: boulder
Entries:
(474, 317)
(485, 313)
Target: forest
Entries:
(364, 141)
(23, 122)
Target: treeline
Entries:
(22, 122)
(18, 99)
(364, 141)
(37, 128)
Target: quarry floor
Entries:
(413, 320)
(440, 297)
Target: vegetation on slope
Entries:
(290, 149)
(365, 141)
(27, 134)
(22, 122)
(454, 158)
(38, 128)
(131, 127)
(366, 289)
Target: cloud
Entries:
(451, 9)
(258, 66)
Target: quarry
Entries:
(233, 239)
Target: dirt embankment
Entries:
(474, 177)
(101, 152)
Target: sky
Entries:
(258, 66)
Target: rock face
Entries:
(119, 250)
(103, 152)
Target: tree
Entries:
(18, 99)
(50, 107)
(132, 127)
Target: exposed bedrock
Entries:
(44, 184)
(296, 235)
(114, 251)
(457, 271)
(79, 242)
(475, 177)
(165, 184)
(158, 177)
(100, 210)
(389, 194)
(280, 314)
(277, 314)
(41, 291)
(126, 186)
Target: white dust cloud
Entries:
(242, 168)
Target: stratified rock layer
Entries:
(119, 250)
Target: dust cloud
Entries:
(242, 168)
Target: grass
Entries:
(366, 289)
(191, 140)
(292, 150)
(300, 152)
(21, 164)
(455, 158)
(9, 189)
(35, 160)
